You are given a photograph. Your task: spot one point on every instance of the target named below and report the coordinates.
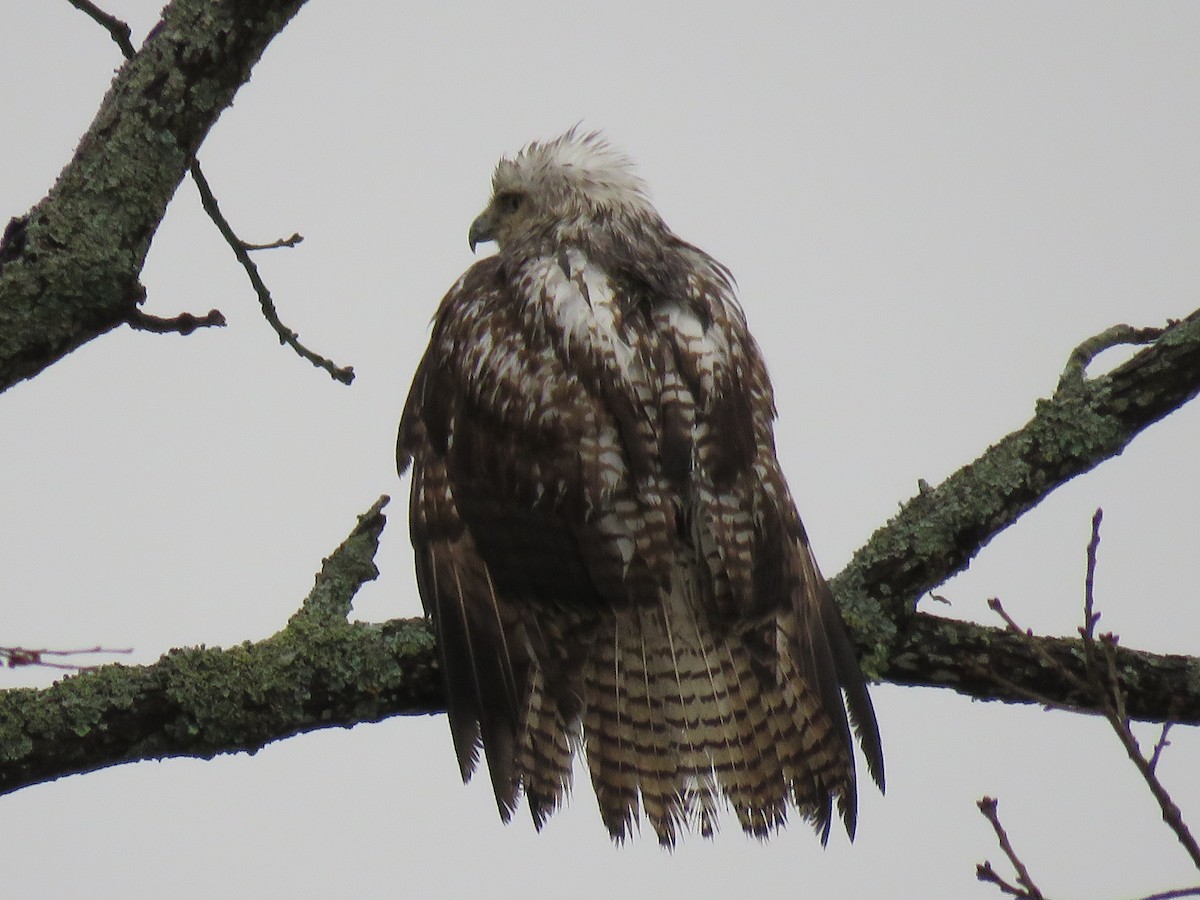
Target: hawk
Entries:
(604, 539)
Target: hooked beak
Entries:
(483, 229)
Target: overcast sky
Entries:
(926, 206)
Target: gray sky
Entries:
(926, 206)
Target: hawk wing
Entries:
(609, 552)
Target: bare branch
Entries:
(317, 672)
(1160, 746)
(1108, 685)
(344, 374)
(1171, 895)
(184, 323)
(69, 268)
(16, 657)
(1171, 813)
(1090, 616)
(1102, 677)
(984, 871)
(292, 241)
(120, 31)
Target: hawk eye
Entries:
(509, 202)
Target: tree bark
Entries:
(69, 268)
(319, 671)
(940, 530)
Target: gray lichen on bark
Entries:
(319, 671)
(939, 531)
(73, 275)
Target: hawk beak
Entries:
(483, 229)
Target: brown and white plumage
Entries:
(604, 539)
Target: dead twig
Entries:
(208, 200)
(186, 323)
(1107, 683)
(292, 241)
(16, 657)
(120, 31)
(984, 871)
(1102, 679)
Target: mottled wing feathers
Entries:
(611, 556)
(484, 674)
(602, 534)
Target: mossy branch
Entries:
(319, 671)
(939, 531)
(69, 268)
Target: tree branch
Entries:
(1102, 680)
(344, 374)
(970, 658)
(985, 872)
(119, 31)
(937, 533)
(319, 671)
(69, 269)
(186, 323)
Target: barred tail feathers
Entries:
(679, 719)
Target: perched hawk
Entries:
(604, 539)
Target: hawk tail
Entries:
(679, 718)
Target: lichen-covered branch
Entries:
(938, 532)
(996, 664)
(319, 671)
(69, 268)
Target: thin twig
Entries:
(120, 31)
(292, 241)
(184, 323)
(1159, 747)
(1108, 686)
(1171, 895)
(344, 374)
(1090, 616)
(985, 872)
(1103, 681)
(15, 657)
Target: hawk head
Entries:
(554, 192)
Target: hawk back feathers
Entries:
(604, 539)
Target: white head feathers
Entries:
(584, 164)
(571, 189)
